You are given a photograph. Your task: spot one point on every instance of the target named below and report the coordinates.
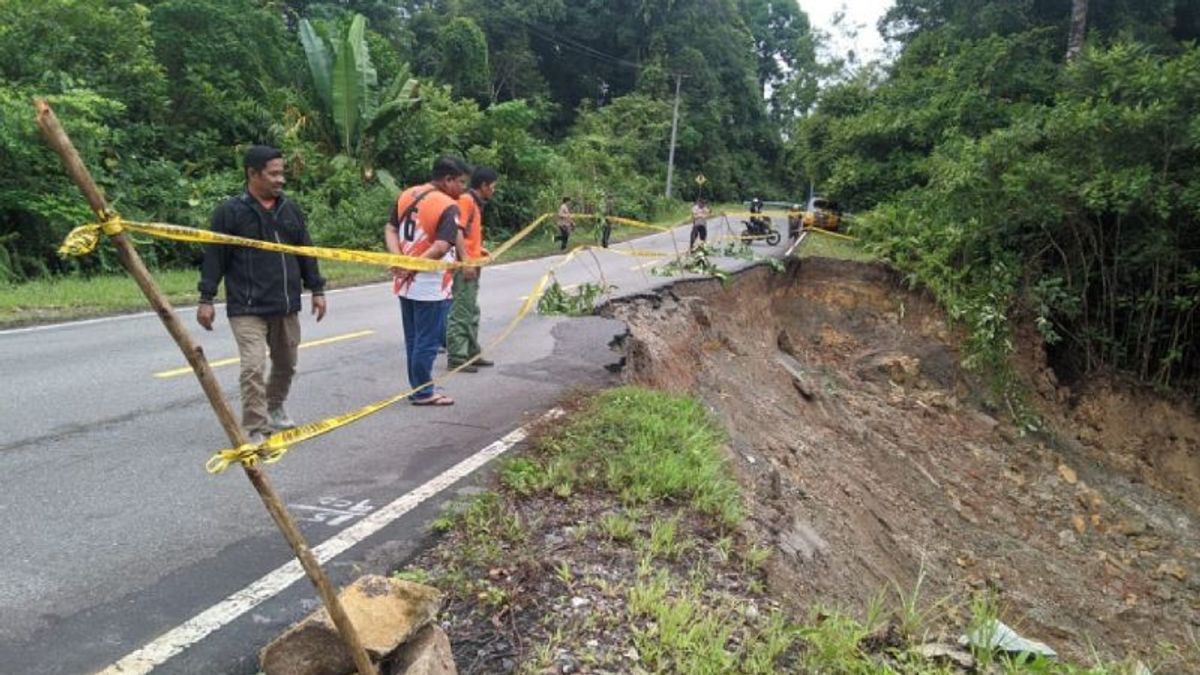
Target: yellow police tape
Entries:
(84, 239)
(273, 449)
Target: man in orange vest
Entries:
(425, 223)
(462, 335)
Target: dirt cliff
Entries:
(872, 462)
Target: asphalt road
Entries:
(113, 533)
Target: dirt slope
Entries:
(870, 462)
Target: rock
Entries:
(427, 653)
(934, 651)
(386, 612)
(1131, 527)
(803, 541)
(1066, 538)
(799, 378)
(1079, 523)
(578, 602)
(903, 369)
(1067, 474)
(1174, 569)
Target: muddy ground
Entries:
(872, 460)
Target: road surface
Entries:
(113, 532)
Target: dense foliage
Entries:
(562, 97)
(1003, 178)
(987, 166)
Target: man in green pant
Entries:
(462, 333)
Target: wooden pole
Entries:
(57, 138)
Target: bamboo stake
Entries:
(58, 140)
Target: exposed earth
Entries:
(872, 465)
(871, 460)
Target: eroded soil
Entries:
(871, 462)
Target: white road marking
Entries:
(178, 639)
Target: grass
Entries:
(643, 445)
(627, 501)
(67, 298)
(817, 245)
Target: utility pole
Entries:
(674, 129)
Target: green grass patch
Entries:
(687, 633)
(817, 245)
(76, 297)
(641, 444)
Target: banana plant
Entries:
(348, 87)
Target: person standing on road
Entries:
(566, 222)
(425, 223)
(605, 210)
(699, 223)
(262, 289)
(463, 331)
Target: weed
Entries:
(415, 575)
(564, 574)
(755, 558)
(724, 549)
(581, 302)
(831, 644)
(521, 475)
(618, 527)
(645, 446)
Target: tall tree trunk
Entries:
(1079, 9)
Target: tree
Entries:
(347, 85)
(463, 53)
(1079, 9)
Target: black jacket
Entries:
(257, 281)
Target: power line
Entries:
(572, 44)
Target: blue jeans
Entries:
(424, 326)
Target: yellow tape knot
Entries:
(248, 454)
(84, 239)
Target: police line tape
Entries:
(273, 448)
(84, 239)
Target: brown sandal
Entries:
(435, 400)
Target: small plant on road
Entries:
(580, 302)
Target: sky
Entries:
(860, 14)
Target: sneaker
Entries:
(483, 363)
(280, 419)
(258, 438)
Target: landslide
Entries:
(871, 461)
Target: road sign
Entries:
(700, 179)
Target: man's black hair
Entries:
(448, 166)
(257, 157)
(482, 176)
(566, 199)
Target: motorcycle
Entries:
(759, 227)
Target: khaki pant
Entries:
(256, 335)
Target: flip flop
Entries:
(435, 400)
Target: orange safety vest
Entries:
(471, 214)
(418, 231)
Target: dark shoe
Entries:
(458, 366)
(483, 363)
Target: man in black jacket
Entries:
(262, 288)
